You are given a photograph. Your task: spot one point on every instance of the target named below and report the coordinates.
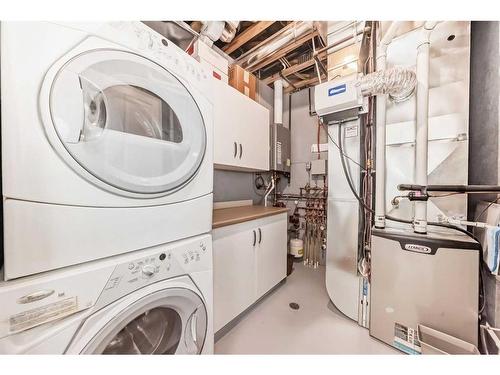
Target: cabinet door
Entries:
(226, 146)
(241, 135)
(254, 137)
(234, 272)
(271, 252)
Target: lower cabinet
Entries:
(249, 260)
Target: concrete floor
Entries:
(272, 327)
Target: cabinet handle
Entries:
(235, 149)
(254, 238)
(260, 235)
(241, 150)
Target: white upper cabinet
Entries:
(241, 130)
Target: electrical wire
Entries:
(336, 145)
(488, 206)
(351, 185)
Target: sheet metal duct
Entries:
(281, 38)
(177, 32)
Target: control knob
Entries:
(148, 270)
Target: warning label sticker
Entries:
(351, 131)
(44, 314)
(406, 339)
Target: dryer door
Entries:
(127, 121)
(171, 321)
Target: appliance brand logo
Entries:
(337, 90)
(418, 248)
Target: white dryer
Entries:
(155, 301)
(106, 143)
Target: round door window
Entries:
(156, 331)
(170, 321)
(127, 121)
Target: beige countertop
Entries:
(234, 215)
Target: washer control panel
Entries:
(156, 264)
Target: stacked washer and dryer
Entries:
(107, 180)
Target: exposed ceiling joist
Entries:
(293, 69)
(247, 35)
(283, 51)
(304, 83)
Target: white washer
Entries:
(157, 300)
(106, 143)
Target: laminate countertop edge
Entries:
(229, 216)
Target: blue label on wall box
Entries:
(337, 90)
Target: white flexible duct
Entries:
(211, 31)
(278, 101)
(422, 136)
(229, 31)
(397, 82)
(380, 130)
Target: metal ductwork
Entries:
(281, 38)
(178, 32)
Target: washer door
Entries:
(127, 121)
(172, 321)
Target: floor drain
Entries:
(294, 306)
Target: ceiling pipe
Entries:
(422, 128)
(266, 50)
(342, 43)
(381, 105)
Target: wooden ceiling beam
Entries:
(247, 35)
(283, 51)
(293, 69)
(302, 84)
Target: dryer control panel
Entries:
(151, 42)
(157, 264)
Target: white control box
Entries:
(318, 167)
(339, 100)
